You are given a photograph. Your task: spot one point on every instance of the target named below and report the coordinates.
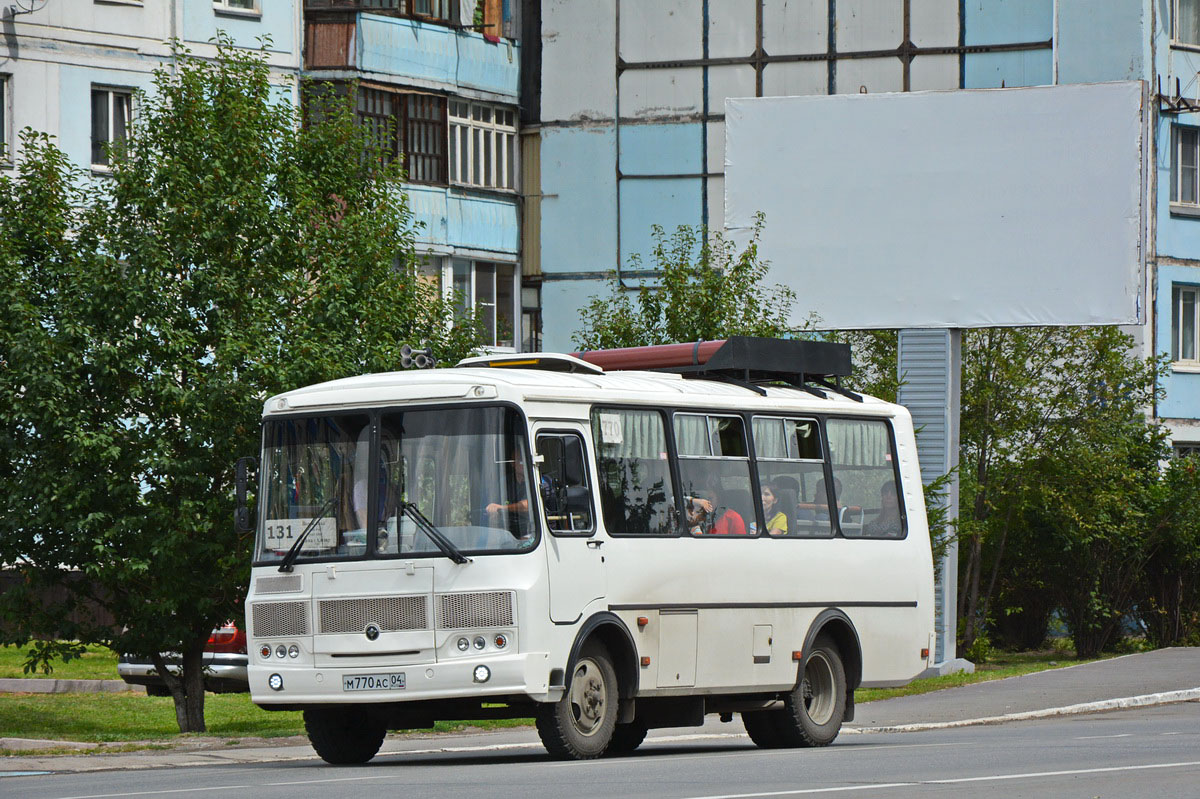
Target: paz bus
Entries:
(607, 542)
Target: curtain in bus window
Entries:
(636, 495)
(863, 462)
(715, 471)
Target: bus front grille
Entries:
(389, 613)
(461, 611)
(283, 584)
(270, 619)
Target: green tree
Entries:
(1169, 596)
(231, 254)
(701, 289)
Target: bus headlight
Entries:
(463, 644)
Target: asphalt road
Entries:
(1141, 752)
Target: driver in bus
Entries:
(513, 515)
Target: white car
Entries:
(224, 664)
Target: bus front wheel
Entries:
(343, 736)
(580, 725)
(814, 710)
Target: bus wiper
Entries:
(435, 535)
(285, 565)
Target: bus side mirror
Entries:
(241, 515)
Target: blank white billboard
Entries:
(977, 208)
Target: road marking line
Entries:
(649, 758)
(953, 781)
(161, 791)
(1097, 737)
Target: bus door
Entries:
(575, 551)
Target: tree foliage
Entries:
(231, 254)
(701, 289)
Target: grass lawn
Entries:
(135, 717)
(98, 663)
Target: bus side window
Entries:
(791, 473)
(863, 460)
(566, 495)
(637, 496)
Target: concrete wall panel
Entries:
(578, 60)
(668, 202)
(869, 24)
(661, 92)
(731, 28)
(579, 206)
(934, 23)
(795, 79)
(669, 149)
(662, 30)
(795, 26)
(877, 74)
(1025, 68)
(731, 81)
(934, 72)
(716, 203)
(1008, 21)
(716, 147)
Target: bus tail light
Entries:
(925, 653)
(797, 655)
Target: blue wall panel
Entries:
(579, 207)
(407, 48)
(668, 202)
(75, 102)
(671, 149)
(1102, 41)
(429, 210)
(1023, 68)
(278, 20)
(1008, 21)
(1182, 399)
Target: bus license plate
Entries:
(373, 682)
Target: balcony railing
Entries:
(444, 11)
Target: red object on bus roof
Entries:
(661, 356)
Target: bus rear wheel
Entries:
(814, 710)
(580, 725)
(343, 736)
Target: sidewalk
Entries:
(1161, 677)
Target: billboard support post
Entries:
(929, 365)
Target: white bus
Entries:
(606, 551)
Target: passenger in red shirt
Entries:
(700, 508)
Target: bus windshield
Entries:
(465, 470)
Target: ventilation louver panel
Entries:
(284, 584)
(389, 613)
(462, 611)
(270, 619)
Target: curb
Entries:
(21, 685)
(1145, 700)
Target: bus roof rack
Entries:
(749, 361)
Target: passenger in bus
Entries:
(774, 509)
(821, 497)
(701, 510)
(887, 523)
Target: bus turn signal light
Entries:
(643, 621)
(925, 653)
(645, 661)
(797, 654)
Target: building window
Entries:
(491, 289)
(1187, 22)
(410, 125)
(1191, 449)
(1185, 323)
(235, 5)
(111, 112)
(482, 145)
(1185, 166)
(531, 317)
(5, 137)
